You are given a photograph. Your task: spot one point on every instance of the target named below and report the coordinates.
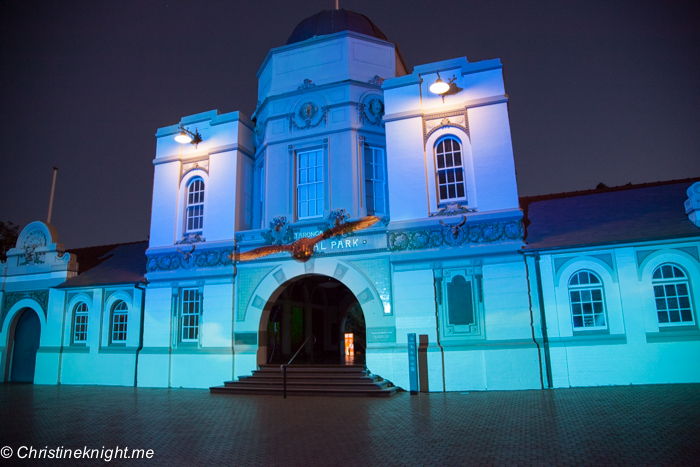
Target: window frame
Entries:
(74, 327)
(459, 332)
(591, 288)
(189, 205)
(374, 182)
(457, 199)
(114, 312)
(185, 312)
(672, 281)
(298, 158)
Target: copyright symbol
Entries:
(6, 452)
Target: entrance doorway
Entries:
(317, 313)
(24, 347)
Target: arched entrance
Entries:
(24, 346)
(318, 306)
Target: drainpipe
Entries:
(543, 320)
(143, 307)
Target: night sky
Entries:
(600, 91)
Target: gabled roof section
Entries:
(650, 211)
(109, 264)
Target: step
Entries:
(310, 380)
(297, 384)
(309, 377)
(305, 392)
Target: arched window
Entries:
(195, 206)
(672, 293)
(450, 170)
(587, 304)
(120, 316)
(80, 323)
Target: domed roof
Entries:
(332, 21)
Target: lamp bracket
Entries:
(196, 137)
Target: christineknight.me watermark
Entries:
(106, 454)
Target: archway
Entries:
(318, 306)
(27, 333)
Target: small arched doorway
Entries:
(318, 306)
(25, 343)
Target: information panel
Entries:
(412, 364)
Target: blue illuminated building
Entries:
(573, 289)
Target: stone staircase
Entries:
(310, 380)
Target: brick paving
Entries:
(631, 425)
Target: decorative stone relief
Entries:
(420, 239)
(187, 167)
(306, 85)
(454, 235)
(337, 217)
(452, 209)
(260, 129)
(307, 112)
(457, 119)
(280, 232)
(33, 241)
(371, 111)
(191, 238)
(376, 80)
(11, 298)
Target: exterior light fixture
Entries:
(439, 86)
(186, 136)
(442, 88)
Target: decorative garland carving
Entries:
(436, 237)
(307, 112)
(375, 107)
(34, 240)
(199, 259)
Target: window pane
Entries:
(448, 145)
(663, 317)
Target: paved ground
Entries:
(636, 425)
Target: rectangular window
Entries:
(309, 184)
(262, 196)
(189, 317)
(375, 181)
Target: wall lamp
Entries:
(186, 136)
(441, 87)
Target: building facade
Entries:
(505, 293)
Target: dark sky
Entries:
(600, 91)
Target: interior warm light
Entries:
(349, 344)
(183, 137)
(439, 86)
